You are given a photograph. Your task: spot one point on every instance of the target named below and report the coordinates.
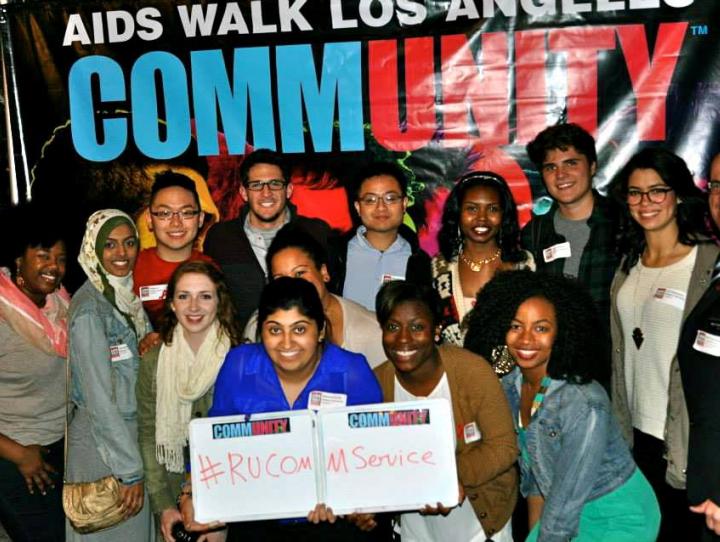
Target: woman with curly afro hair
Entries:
(576, 469)
(479, 236)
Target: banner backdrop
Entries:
(108, 92)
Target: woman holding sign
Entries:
(667, 267)
(175, 382)
(291, 364)
(486, 450)
(576, 469)
(105, 323)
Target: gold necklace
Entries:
(477, 266)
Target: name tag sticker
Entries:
(674, 298)
(555, 252)
(120, 352)
(471, 433)
(707, 343)
(153, 292)
(326, 399)
(387, 277)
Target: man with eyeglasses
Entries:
(174, 217)
(382, 248)
(239, 246)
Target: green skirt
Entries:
(630, 513)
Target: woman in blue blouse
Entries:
(576, 469)
(279, 373)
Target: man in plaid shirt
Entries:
(576, 237)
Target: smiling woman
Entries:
(280, 373)
(485, 446)
(176, 379)
(667, 265)
(549, 325)
(33, 347)
(480, 236)
(105, 323)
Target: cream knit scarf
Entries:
(182, 378)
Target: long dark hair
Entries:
(691, 202)
(225, 311)
(450, 239)
(578, 351)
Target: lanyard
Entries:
(537, 403)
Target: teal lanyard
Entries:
(537, 403)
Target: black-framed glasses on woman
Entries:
(654, 195)
(714, 187)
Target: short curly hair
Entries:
(578, 351)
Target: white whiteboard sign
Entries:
(262, 468)
(392, 456)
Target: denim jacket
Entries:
(104, 386)
(575, 449)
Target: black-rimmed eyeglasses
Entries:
(272, 184)
(167, 214)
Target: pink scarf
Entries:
(46, 328)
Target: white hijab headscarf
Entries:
(118, 290)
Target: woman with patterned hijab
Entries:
(105, 323)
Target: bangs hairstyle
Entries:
(395, 292)
(692, 208)
(263, 156)
(561, 136)
(169, 179)
(29, 226)
(286, 293)
(292, 236)
(225, 311)
(450, 239)
(577, 353)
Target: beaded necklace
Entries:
(536, 404)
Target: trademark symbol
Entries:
(699, 30)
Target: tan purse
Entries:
(89, 506)
(93, 506)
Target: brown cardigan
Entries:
(486, 468)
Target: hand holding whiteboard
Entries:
(391, 456)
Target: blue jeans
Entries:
(32, 517)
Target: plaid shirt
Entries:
(599, 260)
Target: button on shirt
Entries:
(368, 268)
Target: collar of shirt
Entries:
(361, 241)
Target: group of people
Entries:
(578, 353)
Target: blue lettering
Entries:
(176, 102)
(82, 108)
(211, 91)
(340, 77)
